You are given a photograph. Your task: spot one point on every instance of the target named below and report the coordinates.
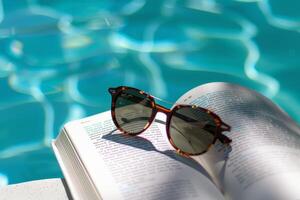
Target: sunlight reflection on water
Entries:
(3, 180)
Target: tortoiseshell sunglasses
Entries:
(190, 129)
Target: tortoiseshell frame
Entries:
(221, 126)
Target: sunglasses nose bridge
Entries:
(162, 109)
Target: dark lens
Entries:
(133, 111)
(192, 130)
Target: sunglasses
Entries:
(191, 129)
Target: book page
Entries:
(46, 189)
(137, 167)
(263, 160)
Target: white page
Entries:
(264, 159)
(47, 189)
(139, 167)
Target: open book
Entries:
(262, 162)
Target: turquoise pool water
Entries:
(57, 59)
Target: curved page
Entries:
(263, 161)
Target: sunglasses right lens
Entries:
(192, 130)
(133, 111)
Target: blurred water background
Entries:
(58, 57)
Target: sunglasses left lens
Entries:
(133, 111)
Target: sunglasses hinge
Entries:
(225, 127)
(112, 90)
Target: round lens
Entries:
(133, 111)
(192, 129)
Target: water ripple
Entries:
(282, 21)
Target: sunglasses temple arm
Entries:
(162, 100)
(223, 138)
